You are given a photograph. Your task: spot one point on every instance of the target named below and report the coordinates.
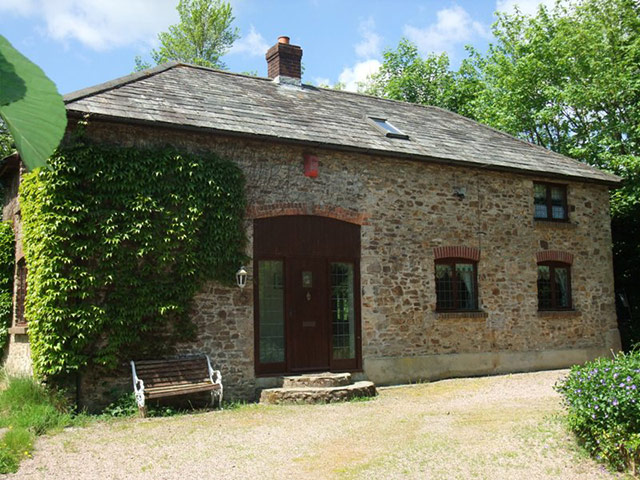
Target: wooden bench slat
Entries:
(180, 391)
(202, 385)
(162, 383)
(151, 363)
(189, 374)
(176, 368)
(170, 371)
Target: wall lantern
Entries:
(241, 277)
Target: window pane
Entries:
(271, 295)
(544, 287)
(557, 202)
(466, 287)
(444, 287)
(562, 287)
(540, 200)
(342, 311)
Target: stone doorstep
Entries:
(312, 395)
(325, 379)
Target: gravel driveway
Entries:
(502, 427)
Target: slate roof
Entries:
(189, 96)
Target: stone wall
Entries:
(407, 209)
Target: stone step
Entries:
(324, 379)
(311, 395)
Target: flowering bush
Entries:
(603, 402)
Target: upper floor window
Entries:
(456, 285)
(550, 201)
(554, 286)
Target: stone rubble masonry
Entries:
(409, 213)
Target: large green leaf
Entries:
(30, 105)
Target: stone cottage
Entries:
(396, 241)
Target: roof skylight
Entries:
(388, 129)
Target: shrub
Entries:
(124, 406)
(603, 402)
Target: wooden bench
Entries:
(172, 377)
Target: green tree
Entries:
(406, 76)
(31, 108)
(202, 37)
(568, 79)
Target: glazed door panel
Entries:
(308, 314)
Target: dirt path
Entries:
(501, 427)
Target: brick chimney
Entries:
(283, 62)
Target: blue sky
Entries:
(80, 43)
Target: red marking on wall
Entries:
(310, 166)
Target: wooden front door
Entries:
(307, 295)
(308, 316)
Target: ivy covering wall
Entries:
(7, 262)
(118, 241)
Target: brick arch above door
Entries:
(257, 211)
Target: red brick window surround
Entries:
(550, 202)
(458, 251)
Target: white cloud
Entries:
(20, 7)
(370, 44)
(351, 76)
(98, 24)
(453, 26)
(253, 44)
(528, 7)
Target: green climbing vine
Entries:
(7, 262)
(117, 241)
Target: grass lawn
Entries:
(502, 427)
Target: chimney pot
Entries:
(284, 62)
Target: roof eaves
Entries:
(612, 181)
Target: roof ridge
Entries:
(118, 82)
(146, 73)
